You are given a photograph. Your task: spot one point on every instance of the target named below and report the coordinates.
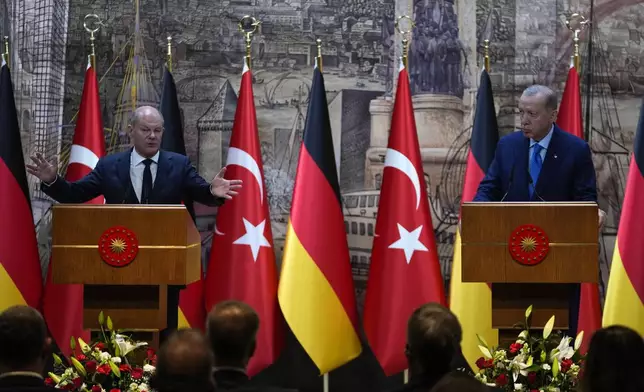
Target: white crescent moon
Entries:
(399, 161)
(84, 156)
(241, 158)
(217, 231)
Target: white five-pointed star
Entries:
(254, 237)
(409, 242)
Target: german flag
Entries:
(316, 286)
(472, 302)
(625, 294)
(20, 273)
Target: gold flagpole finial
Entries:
(405, 34)
(169, 54)
(576, 23)
(92, 30)
(248, 26)
(319, 55)
(5, 54)
(486, 51)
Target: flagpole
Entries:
(5, 54)
(319, 55)
(486, 51)
(92, 56)
(576, 23)
(169, 54)
(405, 34)
(248, 26)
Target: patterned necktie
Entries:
(146, 189)
(535, 166)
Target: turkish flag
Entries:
(405, 272)
(88, 147)
(589, 317)
(242, 260)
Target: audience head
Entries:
(537, 111)
(459, 382)
(184, 364)
(232, 331)
(24, 344)
(615, 361)
(146, 130)
(433, 340)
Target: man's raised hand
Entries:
(44, 170)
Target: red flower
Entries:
(68, 387)
(99, 346)
(153, 360)
(77, 382)
(49, 382)
(125, 368)
(532, 377)
(81, 357)
(565, 365)
(501, 380)
(115, 390)
(137, 373)
(483, 363)
(151, 353)
(515, 348)
(104, 369)
(534, 390)
(90, 366)
(97, 388)
(480, 363)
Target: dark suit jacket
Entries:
(567, 174)
(23, 383)
(176, 180)
(238, 381)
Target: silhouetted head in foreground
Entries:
(433, 341)
(24, 344)
(232, 331)
(615, 361)
(184, 364)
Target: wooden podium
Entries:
(126, 256)
(531, 254)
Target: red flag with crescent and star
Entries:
(405, 272)
(87, 148)
(242, 260)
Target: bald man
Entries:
(144, 174)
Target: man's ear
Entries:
(47, 348)
(554, 116)
(129, 130)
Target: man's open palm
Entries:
(44, 170)
(222, 187)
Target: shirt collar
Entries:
(545, 142)
(136, 158)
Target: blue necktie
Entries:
(535, 166)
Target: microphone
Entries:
(511, 180)
(128, 189)
(534, 188)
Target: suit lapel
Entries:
(123, 173)
(164, 171)
(550, 164)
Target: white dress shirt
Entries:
(136, 171)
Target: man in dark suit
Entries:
(232, 332)
(541, 163)
(24, 349)
(144, 174)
